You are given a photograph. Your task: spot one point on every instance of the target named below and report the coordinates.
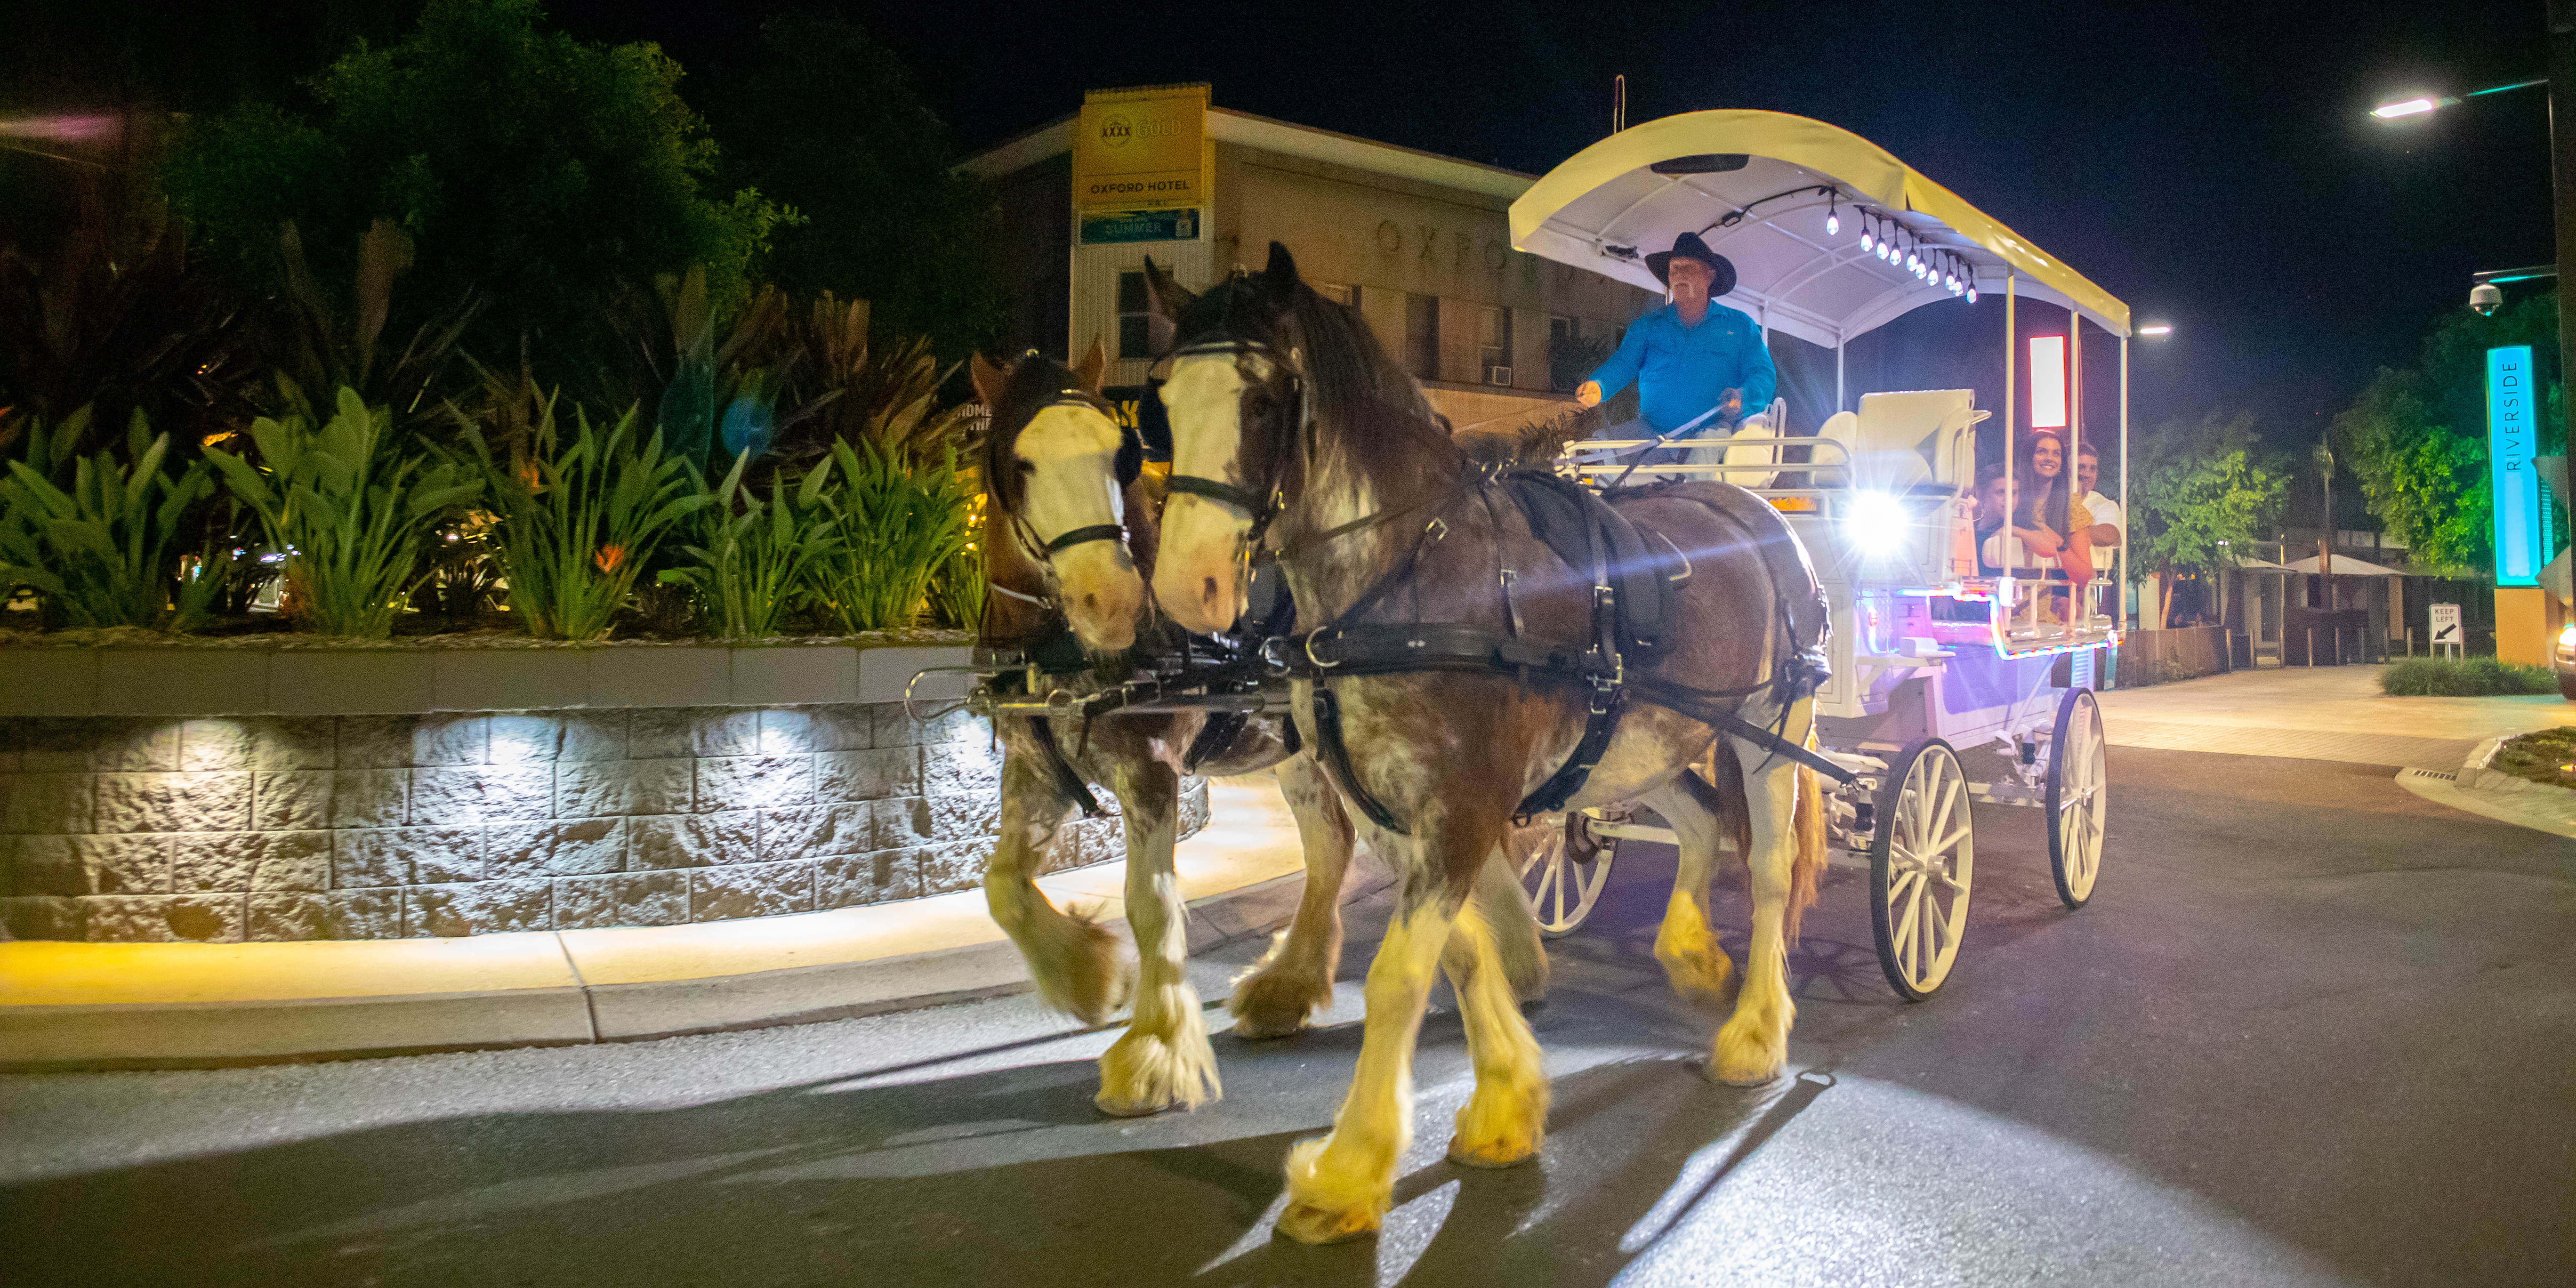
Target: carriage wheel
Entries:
(2079, 788)
(1564, 874)
(1920, 861)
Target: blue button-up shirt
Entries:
(1682, 371)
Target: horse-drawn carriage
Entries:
(1466, 642)
(1932, 663)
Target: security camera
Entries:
(2486, 299)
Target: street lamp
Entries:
(2156, 328)
(2426, 104)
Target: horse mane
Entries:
(1537, 442)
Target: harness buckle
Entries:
(1319, 663)
(1436, 529)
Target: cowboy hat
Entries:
(1721, 273)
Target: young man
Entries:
(1690, 357)
(2106, 534)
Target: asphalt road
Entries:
(2312, 1030)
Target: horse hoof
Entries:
(1120, 1107)
(1274, 1006)
(1309, 1224)
(1491, 1154)
(1748, 1073)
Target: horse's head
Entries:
(1235, 398)
(1056, 467)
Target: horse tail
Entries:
(1807, 827)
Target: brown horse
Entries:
(1295, 435)
(1051, 471)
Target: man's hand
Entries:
(1733, 407)
(1588, 394)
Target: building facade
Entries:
(1419, 244)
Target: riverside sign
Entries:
(2513, 429)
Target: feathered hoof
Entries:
(1147, 1073)
(1320, 1210)
(1493, 1154)
(1699, 975)
(1310, 1224)
(1080, 972)
(1275, 1005)
(1745, 1060)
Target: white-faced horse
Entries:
(1453, 670)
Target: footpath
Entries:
(2337, 713)
(77, 1005)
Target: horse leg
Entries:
(1339, 1186)
(1164, 1058)
(1786, 856)
(1694, 962)
(1073, 959)
(1504, 1121)
(1274, 997)
(1513, 925)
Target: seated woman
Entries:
(2048, 505)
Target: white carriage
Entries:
(1938, 671)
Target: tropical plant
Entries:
(327, 348)
(578, 523)
(2425, 482)
(348, 507)
(848, 389)
(897, 529)
(957, 593)
(122, 323)
(107, 551)
(752, 566)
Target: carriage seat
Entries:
(1902, 442)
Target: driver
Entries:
(1689, 357)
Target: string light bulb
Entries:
(1867, 241)
(1833, 215)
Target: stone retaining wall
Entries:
(267, 827)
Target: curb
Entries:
(202, 1035)
(2476, 789)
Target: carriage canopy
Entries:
(1759, 186)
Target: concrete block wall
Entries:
(267, 827)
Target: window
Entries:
(1559, 329)
(1494, 346)
(1135, 317)
(1422, 335)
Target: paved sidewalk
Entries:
(166, 1005)
(2319, 713)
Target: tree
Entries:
(2425, 482)
(2416, 437)
(2193, 509)
(828, 123)
(526, 166)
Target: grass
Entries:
(2475, 677)
(2548, 756)
(579, 522)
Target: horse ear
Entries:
(1093, 366)
(1166, 296)
(988, 379)
(1283, 270)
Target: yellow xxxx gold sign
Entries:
(1141, 149)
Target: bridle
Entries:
(1130, 460)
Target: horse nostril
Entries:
(1091, 602)
(1207, 589)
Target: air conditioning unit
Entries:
(1498, 375)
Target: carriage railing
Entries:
(2029, 615)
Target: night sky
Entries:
(2212, 164)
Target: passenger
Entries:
(2018, 551)
(2043, 487)
(1697, 363)
(2108, 519)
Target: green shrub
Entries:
(2548, 756)
(754, 562)
(2474, 677)
(957, 593)
(107, 551)
(577, 524)
(348, 509)
(897, 529)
